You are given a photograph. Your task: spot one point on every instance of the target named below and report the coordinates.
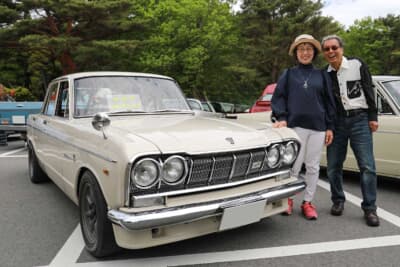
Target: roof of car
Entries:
(110, 73)
(386, 77)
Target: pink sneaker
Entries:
(309, 211)
(290, 208)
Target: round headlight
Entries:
(174, 170)
(146, 173)
(289, 153)
(273, 156)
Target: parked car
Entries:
(145, 170)
(223, 107)
(264, 102)
(13, 115)
(387, 156)
(196, 104)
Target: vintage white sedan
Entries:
(146, 170)
(387, 138)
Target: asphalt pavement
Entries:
(39, 226)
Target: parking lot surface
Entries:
(39, 226)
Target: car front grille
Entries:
(218, 168)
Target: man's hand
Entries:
(373, 125)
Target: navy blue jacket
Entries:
(310, 108)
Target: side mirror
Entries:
(100, 121)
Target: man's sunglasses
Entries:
(334, 48)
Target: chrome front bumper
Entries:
(11, 127)
(182, 214)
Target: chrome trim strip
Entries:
(210, 187)
(10, 127)
(250, 163)
(190, 171)
(388, 132)
(73, 145)
(186, 213)
(232, 168)
(212, 171)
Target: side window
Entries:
(51, 100)
(383, 106)
(62, 104)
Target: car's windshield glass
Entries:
(116, 94)
(394, 89)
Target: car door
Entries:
(51, 141)
(387, 158)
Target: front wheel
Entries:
(96, 227)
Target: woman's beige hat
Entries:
(304, 38)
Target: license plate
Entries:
(18, 119)
(242, 215)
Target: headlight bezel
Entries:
(154, 181)
(277, 148)
(285, 148)
(184, 172)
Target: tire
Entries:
(96, 227)
(35, 172)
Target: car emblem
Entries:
(230, 140)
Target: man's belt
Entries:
(354, 112)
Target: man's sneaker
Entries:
(309, 211)
(337, 208)
(289, 210)
(371, 218)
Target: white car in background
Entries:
(387, 138)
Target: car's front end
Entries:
(196, 186)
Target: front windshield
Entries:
(126, 94)
(394, 89)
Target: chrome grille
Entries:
(218, 169)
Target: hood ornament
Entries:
(230, 140)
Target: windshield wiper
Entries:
(170, 110)
(126, 111)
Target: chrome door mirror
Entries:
(100, 122)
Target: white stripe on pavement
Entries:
(70, 252)
(387, 216)
(12, 152)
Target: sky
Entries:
(347, 11)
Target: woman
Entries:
(303, 102)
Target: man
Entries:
(356, 120)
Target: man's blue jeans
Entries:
(356, 130)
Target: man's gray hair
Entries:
(332, 37)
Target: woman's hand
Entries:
(328, 137)
(279, 124)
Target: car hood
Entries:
(194, 134)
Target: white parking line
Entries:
(387, 216)
(70, 252)
(6, 154)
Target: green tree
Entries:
(191, 41)
(269, 27)
(53, 36)
(371, 41)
